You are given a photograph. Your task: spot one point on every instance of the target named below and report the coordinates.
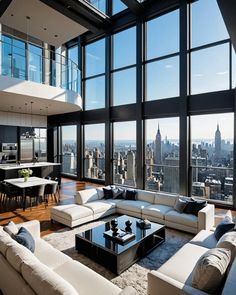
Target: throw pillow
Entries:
(100, 193)
(210, 270)
(107, 193)
(226, 225)
(190, 206)
(118, 193)
(25, 238)
(180, 205)
(198, 205)
(130, 195)
(11, 228)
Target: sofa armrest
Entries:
(206, 217)
(128, 291)
(32, 226)
(161, 284)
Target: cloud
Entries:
(222, 73)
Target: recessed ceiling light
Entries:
(45, 29)
(56, 36)
(12, 14)
(27, 17)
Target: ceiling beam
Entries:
(4, 5)
(81, 12)
(134, 6)
(228, 9)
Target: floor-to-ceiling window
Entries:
(162, 154)
(124, 153)
(69, 149)
(35, 63)
(74, 77)
(94, 151)
(95, 75)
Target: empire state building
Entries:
(217, 142)
(158, 150)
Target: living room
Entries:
(122, 112)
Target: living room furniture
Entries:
(168, 279)
(47, 270)
(114, 255)
(32, 181)
(155, 206)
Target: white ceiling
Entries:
(41, 17)
(12, 102)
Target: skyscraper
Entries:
(217, 142)
(157, 149)
(131, 166)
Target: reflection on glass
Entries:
(124, 153)
(124, 87)
(40, 144)
(162, 154)
(163, 35)
(95, 93)
(210, 69)
(207, 23)
(212, 156)
(162, 78)
(124, 48)
(94, 151)
(6, 56)
(69, 149)
(35, 63)
(95, 58)
(118, 6)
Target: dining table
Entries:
(32, 181)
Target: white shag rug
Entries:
(136, 275)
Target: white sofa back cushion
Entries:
(5, 242)
(228, 241)
(85, 196)
(45, 281)
(145, 196)
(165, 199)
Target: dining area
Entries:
(27, 192)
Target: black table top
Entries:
(95, 235)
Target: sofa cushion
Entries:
(118, 193)
(224, 226)
(100, 206)
(182, 218)
(198, 205)
(85, 196)
(86, 281)
(135, 206)
(155, 210)
(107, 193)
(165, 199)
(185, 260)
(230, 283)
(48, 255)
(210, 270)
(11, 228)
(17, 254)
(205, 238)
(228, 241)
(71, 212)
(145, 196)
(5, 241)
(45, 281)
(25, 238)
(100, 192)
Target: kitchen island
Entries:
(40, 169)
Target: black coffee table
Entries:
(113, 255)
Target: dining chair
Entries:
(35, 192)
(51, 190)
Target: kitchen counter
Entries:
(26, 165)
(40, 169)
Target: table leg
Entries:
(24, 199)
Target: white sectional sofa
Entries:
(158, 207)
(168, 279)
(47, 271)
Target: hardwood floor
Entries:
(67, 192)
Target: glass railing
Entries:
(48, 68)
(213, 183)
